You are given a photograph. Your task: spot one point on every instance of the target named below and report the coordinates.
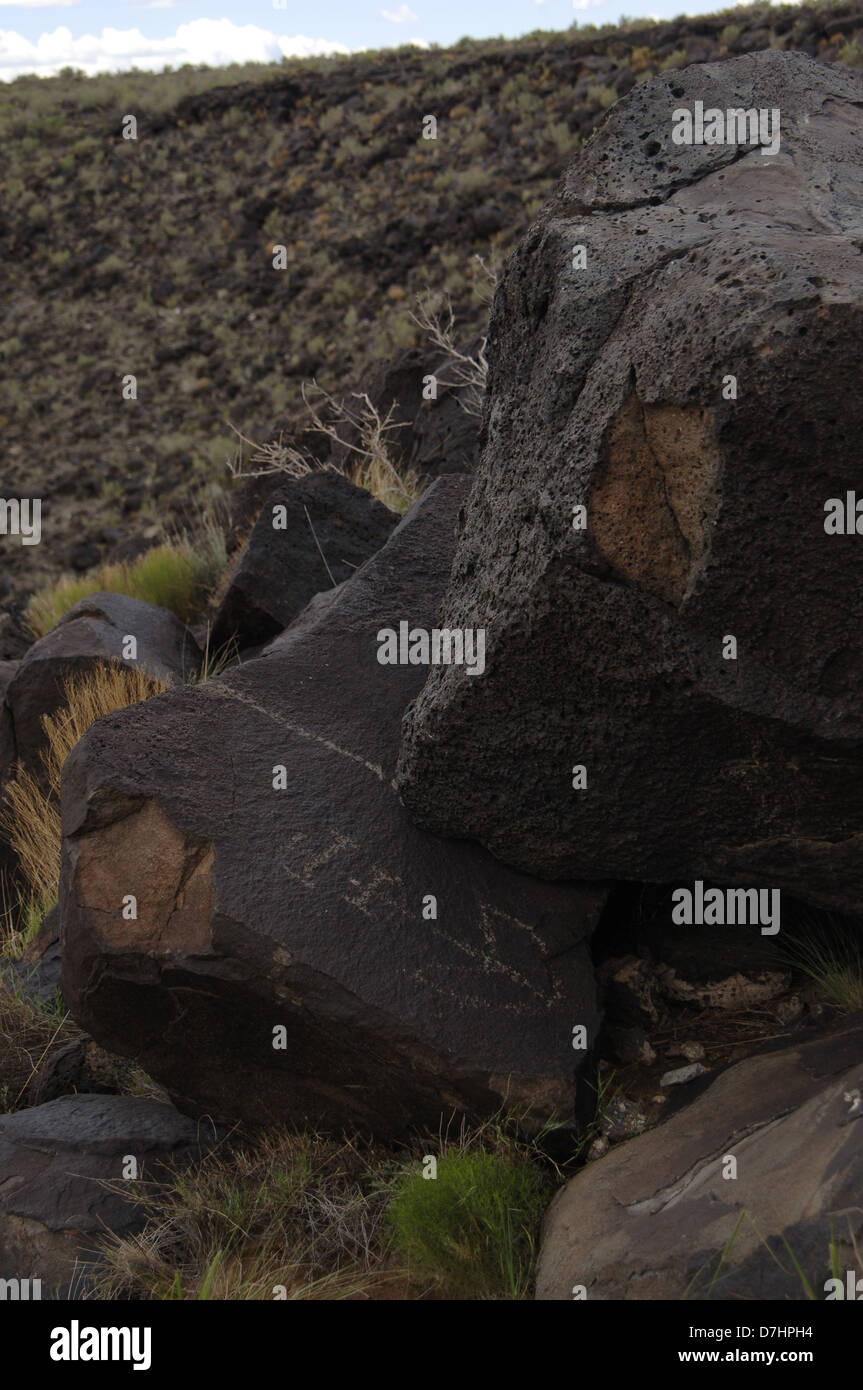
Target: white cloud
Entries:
(37, 4)
(587, 4)
(399, 16)
(211, 41)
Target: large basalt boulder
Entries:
(312, 533)
(63, 1170)
(301, 952)
(668, 1215)
(92, 632)
(607, 643)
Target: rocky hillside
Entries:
(153, 257)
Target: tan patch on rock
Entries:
(735, 992)
(655, 500)
(168, 873)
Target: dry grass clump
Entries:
(829, 949)
(373, 465)
(31, 814)
(301, 1216)
(292, 1217)
(28, 1034)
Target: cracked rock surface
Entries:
(651, 1219)
(705, 514)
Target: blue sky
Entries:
(109, 35)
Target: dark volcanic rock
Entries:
(92, 632)
(55, 1163)
(309, 909)
(705, 515)
(654, 1219)
(281, 567)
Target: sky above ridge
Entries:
(42, 36)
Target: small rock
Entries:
(789, 1010)
(681, 1075)
(623, 1119)
(93, 632)
(82, 1067)
(692, 1051)
(733, 992)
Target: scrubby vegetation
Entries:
(154, 257)
(28, 1033)
(301, 1216)
(177, 576)
(829, 951)
(373, 459)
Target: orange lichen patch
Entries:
(654, 504)
(144, 855)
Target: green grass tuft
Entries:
(830, 952)
(473, 1228)
(176, 576)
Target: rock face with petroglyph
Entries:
(411, 977)
(738, 1196)
(611, 390)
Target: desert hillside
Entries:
(153, 257)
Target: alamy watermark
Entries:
(21, 517)
(20, 1290)
(77, 1343)
(441, 646)
(731, 127)
(727, 907)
